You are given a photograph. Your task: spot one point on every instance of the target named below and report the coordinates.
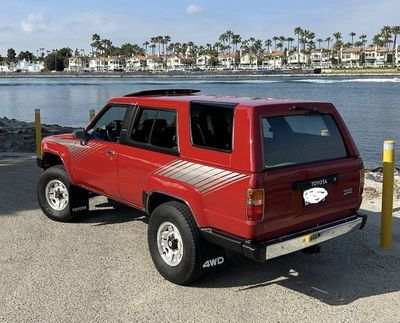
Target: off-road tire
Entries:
(54, 173)
(189, 269)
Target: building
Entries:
(203, 61)
(176, 62)
(397, 56)
(136, 63)
(321, 58)
(227, 60)
(154, 63)
(376, 56)
(273, 60)
(4, 68)
(78, 63)
(298, 59)
(116, 63)
(98, 64)
(350, 57)
(249, 60)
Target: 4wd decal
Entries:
(214, 262)
(205, 179)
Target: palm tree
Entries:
(268, 44)
(319, 40)
(236, 39)
(275, 38)
(377, 40)
(328, 40)
(145, 44)
(95, 42)
(386, 33)
(395, 32)
(363, 40)
(298, 31)
(352, 34)
(290, 41)
(338, 43)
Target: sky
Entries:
(33, 24)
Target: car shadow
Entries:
(106, 212)
(348, 268)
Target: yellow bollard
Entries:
(38, 133)
(387, 194)
(92, 114)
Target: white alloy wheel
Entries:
(170, 244)
(57, 195)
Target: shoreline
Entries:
(208, 74)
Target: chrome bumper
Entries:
(304, 241)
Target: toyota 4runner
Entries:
(261, 177)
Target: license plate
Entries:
(314, 195)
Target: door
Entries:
(95, 163)
(151, 143)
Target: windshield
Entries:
(298, 139)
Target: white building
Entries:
(321, 58)
(98, 64)
(136, 63)
(273, 60)
(350, 57)
(78, 63)
(4, 68)
(248, 61)
(227, 60)
(203, 61)
(397, 56)
(116, 63)
(297, 59)
(154, 63)
(376, 56)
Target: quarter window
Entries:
(211, 126)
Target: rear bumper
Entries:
(263, 250)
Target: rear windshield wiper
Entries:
(309, 109)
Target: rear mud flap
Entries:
(78, 201)
(211, 256)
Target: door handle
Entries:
(110, 152)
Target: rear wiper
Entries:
(311, 110)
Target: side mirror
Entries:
(82, 135)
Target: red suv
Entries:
(258, 176)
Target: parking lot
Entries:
(98, 268)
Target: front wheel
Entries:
(174, 243)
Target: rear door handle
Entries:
(110, 152)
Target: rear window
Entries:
(290, 140)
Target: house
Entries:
(227, 60)
(248, 60)
(4, 68)
(273, 60)
(297, 59)
(136, 63)
(116, 63)
(321, 58)
(203, 61)
(154, 63)
(397, 56)
(376, 56)
(78, 63)
(350, 57)
(176, 62)
(98, 64)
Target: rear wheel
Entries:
(53, 192)
(174, 243)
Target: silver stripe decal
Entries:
(173, 167)
(178, 169)
(167, 166)
(206, 175)
(225, 185)
(187, 172)
(212, 178)
(196, 174)
(218, 181)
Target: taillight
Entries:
(362, 176)
(255, 204)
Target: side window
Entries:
(108, 127)
(211, 126)
(156, 128)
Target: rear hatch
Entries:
(312, 169)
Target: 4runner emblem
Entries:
(213, 262)
(314, 195)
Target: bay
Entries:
(370, 106)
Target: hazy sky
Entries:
(32, 24)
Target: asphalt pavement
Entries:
(98, 268)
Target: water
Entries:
(370, 106)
